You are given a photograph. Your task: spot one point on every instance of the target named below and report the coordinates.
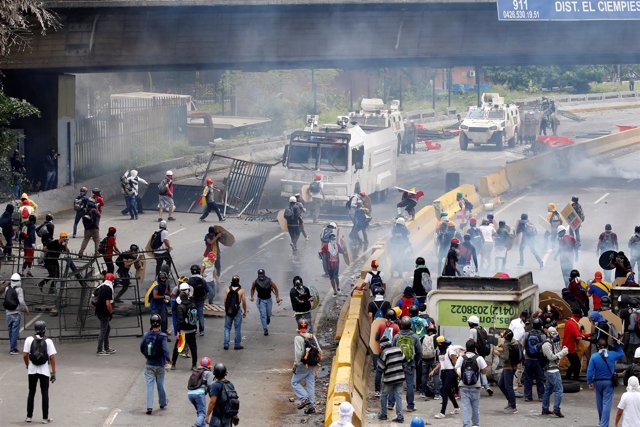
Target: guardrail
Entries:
(602, 96)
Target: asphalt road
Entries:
(111, 391)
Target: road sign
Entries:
(568, 10)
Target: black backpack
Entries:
(376, 280)
(230, 402)
(314, 187)
(102, 246)
(289, 214)
(482, 342)
(470, 370)
(311, 356)
(468, 205)
(156, 239)
(515, 354)
(11, 301)
(196, 380)
(162, 187)
(151, 346)
(200, 289)
(38, 354)
(232, 303)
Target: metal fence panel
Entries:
(245, 183)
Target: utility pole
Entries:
(313, 88)
(478, 71)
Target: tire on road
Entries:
(569, 386)
(464, 142)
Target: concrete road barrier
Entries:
(494, 184)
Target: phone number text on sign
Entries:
(568, 10)
(457, 313)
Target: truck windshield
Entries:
(322, 155)
(475, 114)
(495, 114)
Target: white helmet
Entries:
(292, 199)
(400, 220)
(163, 224)
(15, 277)
(133, 173)
(468, 271)
(184, 286)
(169, 173)
(560, 229)
(474, 319)
(333, 225)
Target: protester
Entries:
(224, 404)
(600, 376)
(607, 241)
(379, 306)
(292, 216)
(161, 246)
(578, 209)
(555, 220)
(39, 355)
(79, 205)
(422, 283)
(411, 348)
(390, 364)
(157, 303)
(124, 262)
(235, 305)
(532, 343)
(488, 233)
(469, 367)
(388, 329)
(198, 386)
(51, 169)
(629, 406)
(212, 244)
(430, 389)
(598, 289)
(6, 224)
(134, 206)
(165, 197)
(345, 412)
(307, 356)
(208, 270)
(187, 323)
(517, 326)
(156, 352)
(328, 230)
(91, 223)
(634, 249)
(503, 242)
(407, 300)
(110, 247)
(447, 359)
(316, 190)
(374, 278)
(331, 251)
(451, 265)
(361, 220)
(527, 232)
(28, 240)
(553, 384)
(264, 286)
(46, 230)
(200, 291)
(571, 339)
(510, 357)
(576, 293)
(634, 368)
(14, 306)
(103, 295)
(208, 195)
(303, 210)
(52, 253)
(301, 300)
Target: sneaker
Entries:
(558, 414)
(266, 332)
(203, 220)
(410, 410)
(149, 411)
(439, 416)
(510, 410)
(528, 399)
(102, 353)
(201, 334)
(165, 405)
(489, 392)
(398, 420)
(171, 218)
(173, 367)
(310, 410)
(456, 411)
(376, 394)
(226, 347)
(390, 407)
(382, 417)
(518, 394)
(111, 351)
(303, 404)
(159, 219)
(13, 352)
(437, 397)
(238, 347)
(47, 421)
(27, 420)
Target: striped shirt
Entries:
(391, 364)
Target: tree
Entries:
(19, 19)
(533, 77)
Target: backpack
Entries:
(388, 332)
(325, 235)
(378, 314)
(482, 342)
(95, 296)
(43, 230)
(468, 205)
(470, 370)
(476, 237)
(24, 213)
(405, 304)
(311, 356)
(606, 242)
(530, 229)
(152, 346)
(418, 327)
(11, 301)
(162, 188)
(533, 345)
(376, 280)
(232, 303)
(515, 354)
(102, 246)
(38, 354)
(555, 219)
(156, 239)
(314, 187)
(230, 403)
(192, 315)
(289, 215)
(196, 380)
(405, 343)
(200, 289)
(428, 348)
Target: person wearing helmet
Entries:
(361, 220)
(186, 315)
(102, 299)
(46, 230)
(307, 356)
(161, 246)
(447, 356)
(345, 413)
(607, 241)
(553, 352)
(216, 415)
(303, 210)
(52, 253)
(91, 224)
(532, 343)
(445, 231)
(301, 300)
(390, 364)
(378, 307)
(411, 348)
(409, 201)
(212, 244)
(575, 232)
(97, 199)
(209, 274)
(387, 329)
(157, 301)
(200, 292)
(451, 265)
(332, 250)
(554, 219)
(400, 248)
(465, 208)
(352, 203)
(208, 196)
(507, 353)
(375, 278)
(131, 190)
(108, 247)
(576, 294)
(598, 289)
(264, 287)
(43, 371)
(422, 283)
(467, 256)
(527, 232)
(407, 300)
(14, 304)
(634, 249)
(27, 237)
(155, 349)
(165, 197)
(567, 252)
(329, 229)
(199, 383)
(292, 215)
(235, 304)
(79, 206)
(124, 261)
(316, 191)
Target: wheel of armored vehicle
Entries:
(512, 141)
(500, 140)
(464, 141)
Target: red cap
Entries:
(374, 264)
(209, 180)
(598, 275)
(112, 230)
(473, 220)
(317, 176)
(455, 241)
(211, 255)
(110, 277)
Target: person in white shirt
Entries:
(470, 393)
(345, 412)
(41, 367)
(629, 406)
(376, 275)
(486, 253)
(517, 327)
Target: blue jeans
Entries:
(13, 326)
(264, 307)
(132, 205)
(76, 221)
(200, 308)
(308, 391)
(198, 402)
(219, 422)
(212, 291)
(50, 181)
(533, 371)
(604, 398)
(237, 325)
(410, 379)
(378, 380)
(553, 385)
(393, 391)
(506, 386)
(429, 385)
(470, 399)
(155, 374)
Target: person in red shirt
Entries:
(394, 329)
(573, 336)
(97, 196)
(578, 290)
(110, 249)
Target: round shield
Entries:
(315, 297)
(607, 260)
(227, 239)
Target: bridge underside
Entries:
(108, 39)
